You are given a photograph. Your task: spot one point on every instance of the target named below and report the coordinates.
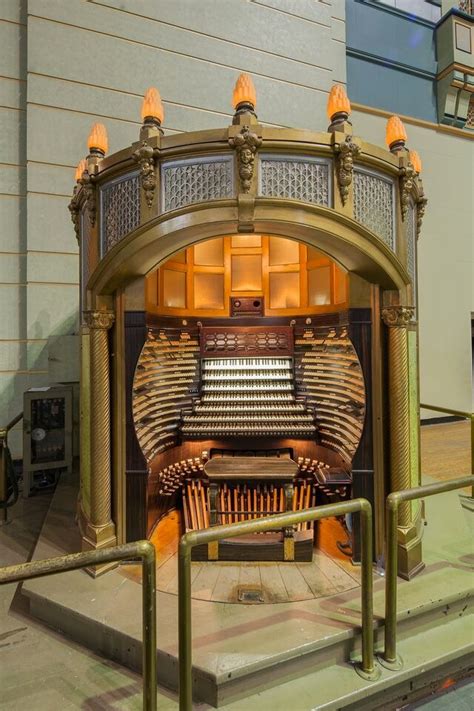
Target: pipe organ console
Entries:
(238, 422)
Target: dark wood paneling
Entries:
(137, 504)
(136, 470)
(360, 333)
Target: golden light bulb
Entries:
(395, 132)
(81, 167)
(98, 138)
(244, 92)
(152, 105)
(415, 160)
(338, 102)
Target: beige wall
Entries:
(68, 64)
(445, 260)
(73, 62)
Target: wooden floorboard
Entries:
(445, 454)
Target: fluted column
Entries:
(403, 416)
(100, 529)
(398, 318)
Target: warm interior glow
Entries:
(415, 160)
(338, 101)
(98, 138)
(81, 167)
(395, 131)
(244, 91)
(289, 276)
(152, 106)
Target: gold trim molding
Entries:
(440, 127)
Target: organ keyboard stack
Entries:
(248, 397)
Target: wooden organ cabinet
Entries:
(243, 417)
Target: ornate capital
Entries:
(102, 320)
(345, 153)
(398, 316)
(88, 186)
(145, 157)
(246, 144)
(407, 183)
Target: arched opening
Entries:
(248, 365)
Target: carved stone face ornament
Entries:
(407, 184)
(145, 157)
(246, 144)
(345, 152)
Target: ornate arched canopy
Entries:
(359, 204)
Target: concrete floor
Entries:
(42, 671)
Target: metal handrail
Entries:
(125, 553)
(448, 410)
(459, 413)
(367, 668)
(389, 657)
(14, 422)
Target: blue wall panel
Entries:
(391, 60)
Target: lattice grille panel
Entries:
(374, 205)
(87, 251)
(411, 241)
(120, 210)
(233, 341)
(307, 181)
(470, 114)
(185, 183)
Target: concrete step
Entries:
(243, 650)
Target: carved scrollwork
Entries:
(88, 185)
(398, 316)
(145, 157)
(420, 211)
(407, 183)
(246, 144)
(75, 210)
(99, 319)
(346, 152)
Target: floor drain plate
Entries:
(250, 595)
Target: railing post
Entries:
(185, 627)
(472, 452)
(126, 553)
(367, 669)
(149, 626)
(390, 659)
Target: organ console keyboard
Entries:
(247, 402)
(256, 398)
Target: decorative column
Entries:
(100, 529)
(403, 452)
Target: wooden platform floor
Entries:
(446, 450)
(274, 582)
(445, 453)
